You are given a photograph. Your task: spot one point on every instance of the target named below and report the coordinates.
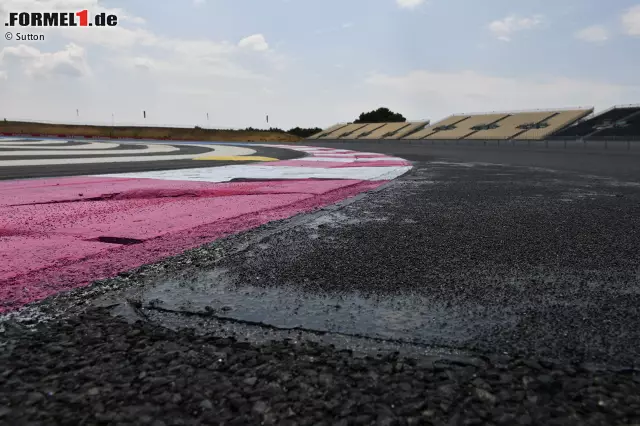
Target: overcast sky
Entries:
(318, 62)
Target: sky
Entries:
(314, 63)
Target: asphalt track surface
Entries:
(484, 287)
(55, 170)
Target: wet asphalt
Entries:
(484, 287)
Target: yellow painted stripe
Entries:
(235, 158)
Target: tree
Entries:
(381, 115)
(304, 133)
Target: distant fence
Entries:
(612, 145)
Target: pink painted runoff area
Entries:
(339, 164)
(349, 155)
(49, 228)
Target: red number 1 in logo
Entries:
(84, 17)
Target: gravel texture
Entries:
(479, 258)
(95, 370)
(535, 272)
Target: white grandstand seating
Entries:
(337, 134)
(410, 128)
(429, 130)
(508, 127)
(328, 130)
(465, 127)
(555, 123)
(368, 128)
(384, 130)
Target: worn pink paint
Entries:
(354, 156)
(46, 248)
(380, 163)
(71, 188)
(338, 164)
(307, 163)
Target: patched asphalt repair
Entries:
(465, 292)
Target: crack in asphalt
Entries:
(211, 313)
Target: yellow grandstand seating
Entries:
(382, 131)
(464, 127)
(508, 127)
(368, 128)
(431, 129)
(343, 130)
(328, 130)
(411, 127)
(555, 123)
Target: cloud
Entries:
(593, 34)
(631, 21)
(199, 2)
(70, 61)
(504, 28)
(143, 63)
(440, 94)
(409, 4)
(255, 42)
(139, 48)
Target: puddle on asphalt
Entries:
(410, 318)
(339, 219)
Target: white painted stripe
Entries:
(221, 150)
(89, 146)
(227, 173)
(156, 149)
(38, 142)
(97, 160)
(226, 150)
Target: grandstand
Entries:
(328, 131)
(352, 131)
(557, 121)
(387, 130)
(450, 121)
(467, 126)
(533, 125)
(407, 130)
(618, 121)
(511, 126)
(364, 130)
(343, 131)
